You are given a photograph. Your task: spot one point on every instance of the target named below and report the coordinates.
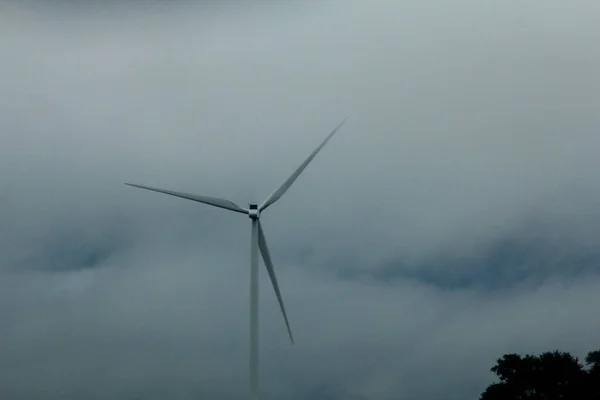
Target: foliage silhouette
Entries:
(548, 376)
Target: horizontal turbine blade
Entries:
(213, 201)
(264, 250)
(273, 197)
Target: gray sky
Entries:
(454, 217)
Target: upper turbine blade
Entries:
(264, 250)
(213, 201)
(273, 197)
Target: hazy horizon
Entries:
(454, 217)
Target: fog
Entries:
(452, 219)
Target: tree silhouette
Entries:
(548, 376)
(593, 362)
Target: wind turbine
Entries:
(258, 243)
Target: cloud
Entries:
(452, 219)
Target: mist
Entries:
(453, 218)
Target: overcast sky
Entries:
(454, 218)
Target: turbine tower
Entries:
(258, 244)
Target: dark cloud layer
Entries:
(454, 218)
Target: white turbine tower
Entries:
(258, 243)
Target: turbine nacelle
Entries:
(253, 211)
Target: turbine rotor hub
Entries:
(253, 212)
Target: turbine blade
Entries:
(264, 251)
(213, 201)
(273, 197)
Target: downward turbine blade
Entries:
(264, 251)
(213, 201)
(273, 197)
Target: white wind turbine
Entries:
(258, 243)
